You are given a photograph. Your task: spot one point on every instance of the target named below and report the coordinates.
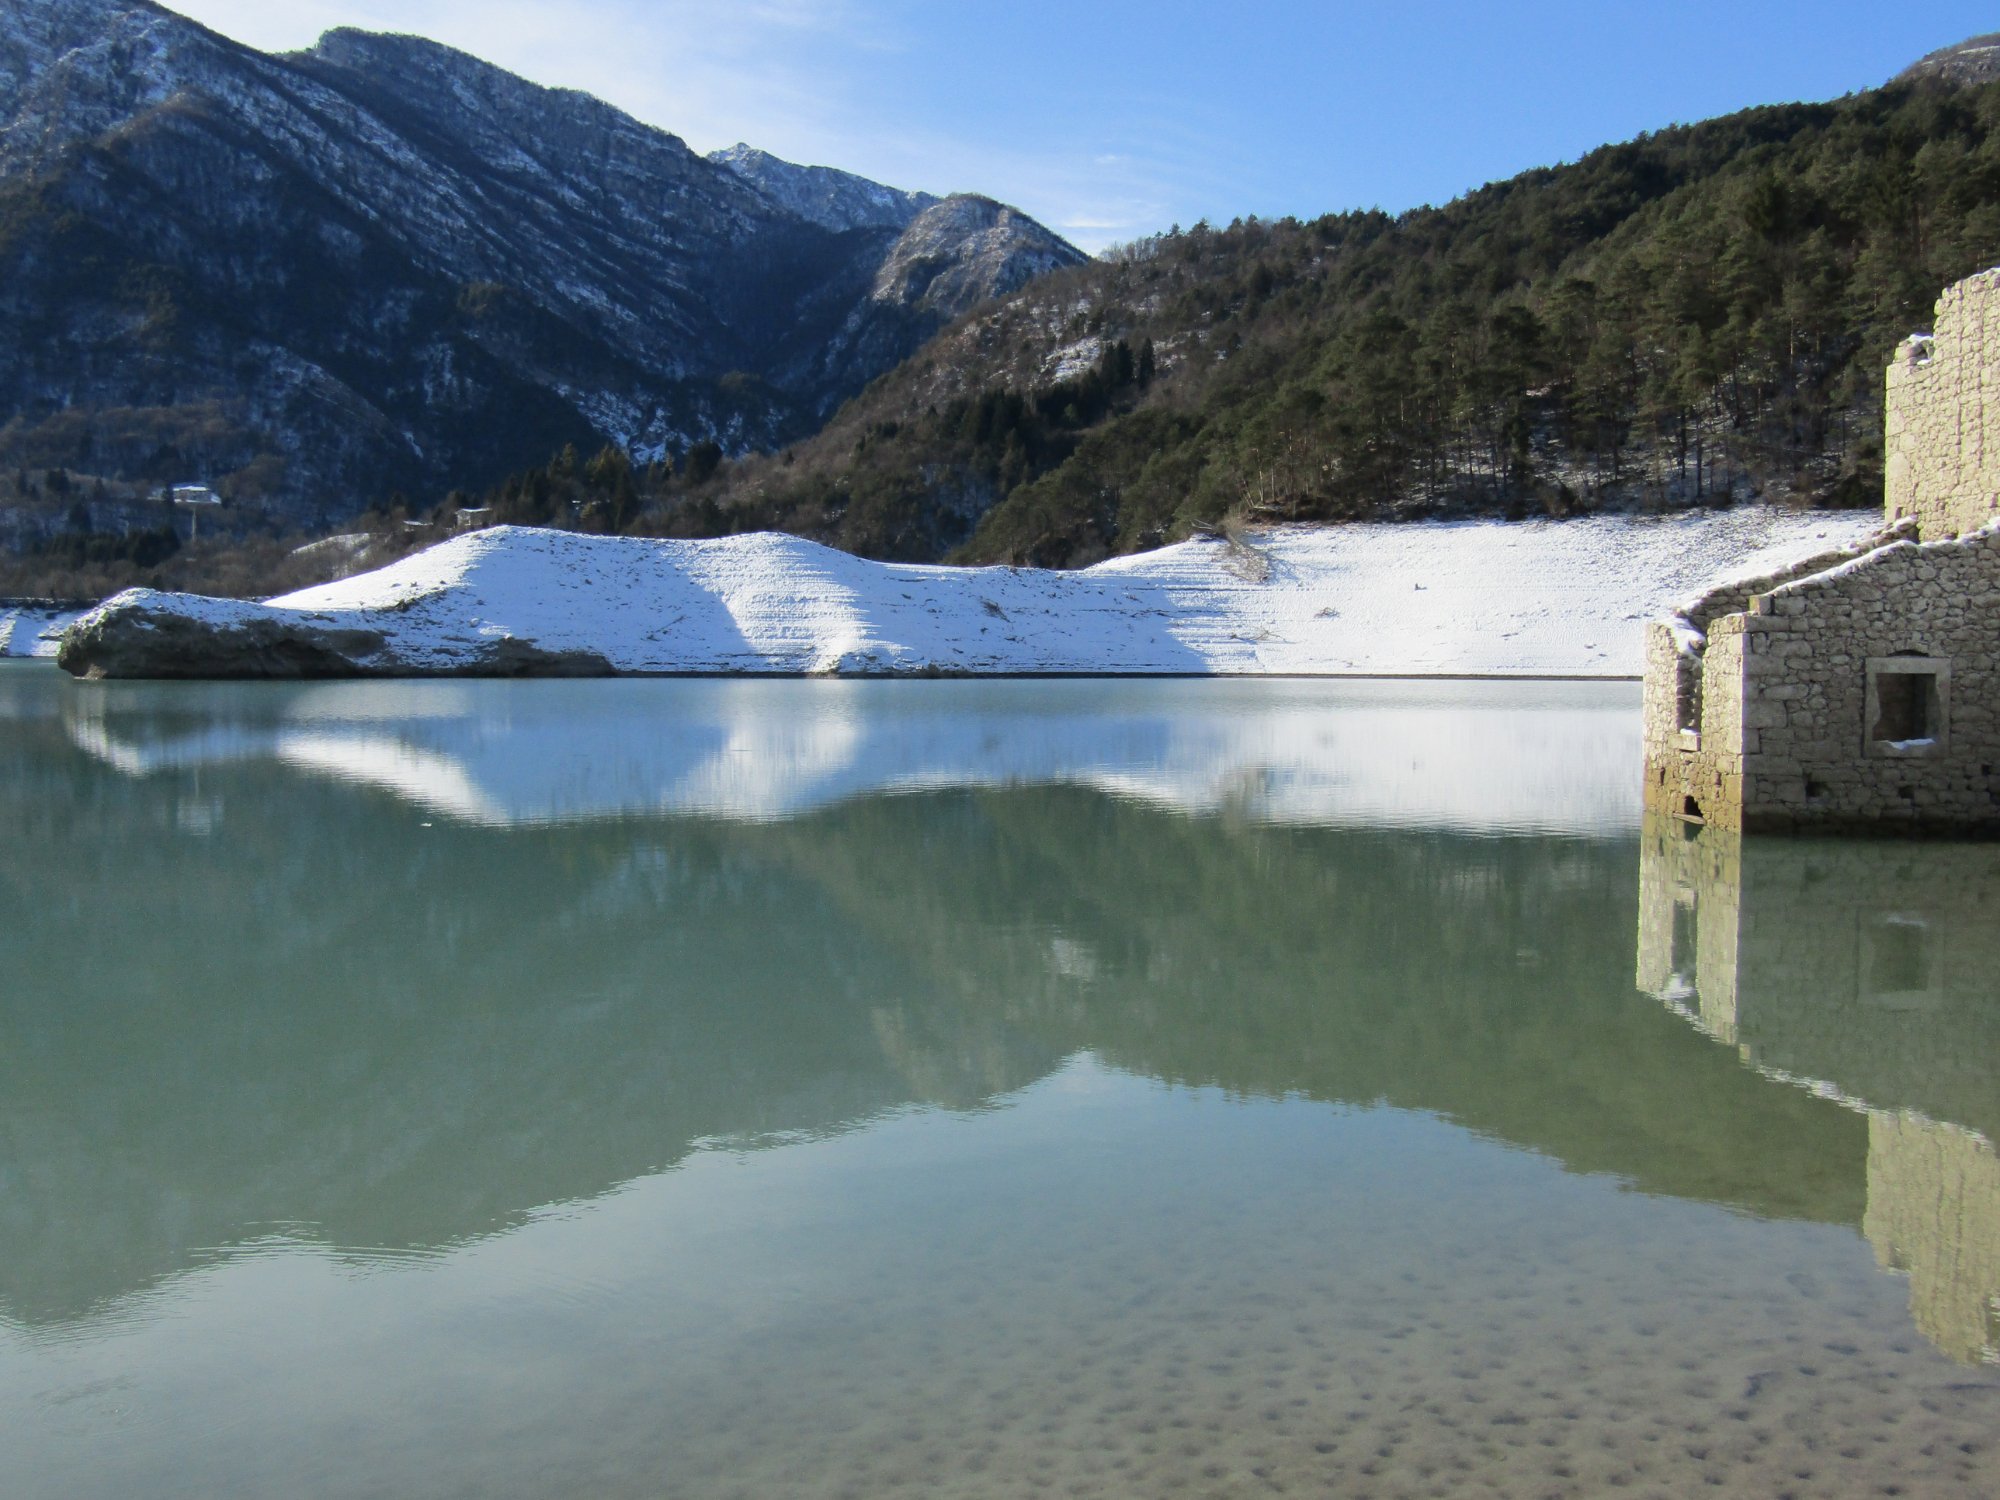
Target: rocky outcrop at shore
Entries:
(159, 636)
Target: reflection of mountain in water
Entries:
(1461, 755)
(1868, 973)
(251, 996)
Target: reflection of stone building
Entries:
(1867, 972)
(1934, 1212)
(1861, 689)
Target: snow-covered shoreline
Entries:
(1521, 599)
(33, 630)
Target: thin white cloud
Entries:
(711, 71)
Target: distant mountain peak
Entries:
(825, 196)
(1973, 61)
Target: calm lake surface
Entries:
(627, 1089)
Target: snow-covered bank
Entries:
(33, 629)
(1473, 598)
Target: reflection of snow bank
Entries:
(1547, 597)
(1553, 756)
(28, 631)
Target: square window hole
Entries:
(1902, 706)
(1907, 706)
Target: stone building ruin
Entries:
(1857, 691)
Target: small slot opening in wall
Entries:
(1907, 793)
(1691, 810)
(1687, 696)
(1815, 790)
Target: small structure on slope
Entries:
(194, 498)
(1859, 691)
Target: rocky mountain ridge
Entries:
(382, 264)
(827, 196)
(1973, 61)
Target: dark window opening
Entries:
(1815, 790)
(1691, 809)
(1903, 705)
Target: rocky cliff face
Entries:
(950, 258)
(1973, 61)
(383, 264)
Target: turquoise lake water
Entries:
(766, 1088)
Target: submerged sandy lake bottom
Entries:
(984, 1089)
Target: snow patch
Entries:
(1073, 360)
(33, 631)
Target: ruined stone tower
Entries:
(1942, 416)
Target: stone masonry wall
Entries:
(1695, 772)
(1782, 743)
(1806, 756)
(1942, 415)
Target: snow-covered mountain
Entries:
(385, 264)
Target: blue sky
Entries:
(1109, 119)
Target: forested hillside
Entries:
(1694, 316)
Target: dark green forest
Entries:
(1694, 317)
